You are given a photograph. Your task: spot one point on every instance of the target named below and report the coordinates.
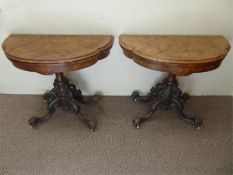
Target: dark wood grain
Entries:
(180, 55)
(49, 54)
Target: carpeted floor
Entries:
(163, 146)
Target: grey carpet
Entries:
(164, 145)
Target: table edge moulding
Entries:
(17, 47)
(135, 47)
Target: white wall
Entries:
(117, 75)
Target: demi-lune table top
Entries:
(48, 54)
(180, 55)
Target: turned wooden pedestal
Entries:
(176, 55)
(55, 54)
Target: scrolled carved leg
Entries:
(77, 94)
(139, 121)
(75, 108)
(51, 109)
(35, 120)
(137, 98)
(63, 95)
(153, 94)
(196, 122)
(91, 124)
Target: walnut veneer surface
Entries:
(48, 54)
(181, 55)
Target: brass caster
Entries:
(45, 97)
(135, 95)
(33, 122)
(92, 125)
(197, 123)
(137, 123)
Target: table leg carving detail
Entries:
(91, 124)
(77, 94)
(164, 95)
(196, 122)
(139, 121)
(154, 93)
(63, 95)
(51, 109)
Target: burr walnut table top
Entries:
(48, 54)
(180, 55)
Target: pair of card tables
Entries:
(176, 55)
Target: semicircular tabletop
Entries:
(48, 54)
(181, 55)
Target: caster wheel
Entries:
(33, 122)
(197, 123)
(97, 99)
(137, 123)
(92, 125)
(185, 97)
(135, 95)
(45, 97)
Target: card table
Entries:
(178, 56)
(55, 54)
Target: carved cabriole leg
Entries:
(91, 124)
(77, 95)
(63, 95)
(154, 93)
(196, 122)
(164, 95)
(52, 101)
(139, 121)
